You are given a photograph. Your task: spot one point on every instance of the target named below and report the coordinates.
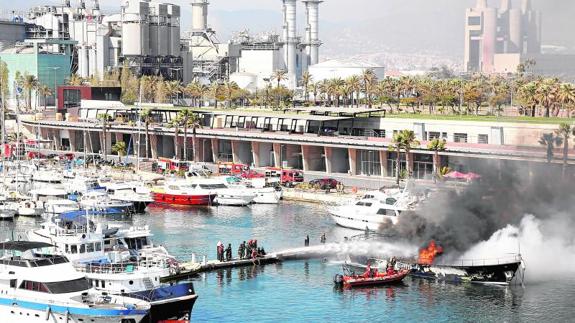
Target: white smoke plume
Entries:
(547, 247)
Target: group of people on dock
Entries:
(249, 250)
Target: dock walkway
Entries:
(191, 269)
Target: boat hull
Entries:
(173, 199)
(36, 312)
(356, 223)
(168, 303)
(351, 281)
(499, 274)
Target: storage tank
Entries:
(136, 29)
(200, 14)
(174, 16)
(515, 31)
(161, 13)
(154, 36)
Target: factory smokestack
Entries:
(481, 4)
(291, 41)
(505, 5)
(312, 32)
(200, 15)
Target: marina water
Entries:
(303, 291)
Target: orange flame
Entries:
(427, 255)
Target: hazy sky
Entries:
(414, 19)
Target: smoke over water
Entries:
(511, 207)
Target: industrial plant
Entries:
(146, 36)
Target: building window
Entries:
(444, 135)
(474, 21)
(460, 137)
(433, 135)
(379, 133)
(483, 139)
(72, 98)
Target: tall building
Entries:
(490, 33)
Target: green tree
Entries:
(354, 83)
(45, 91)
(306, 80)
(550, 141)
(30, 84)
(104, 118)
(176, 123)
(189, 120)
(279, 76)
(565, 132)
(75, 80)
(369, 82)
(146, 117)
(403, 140)
(120, 149)
(436, 145)
(130, 85)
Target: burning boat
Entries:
(497, 271)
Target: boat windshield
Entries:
(212, 186)
(61, 287)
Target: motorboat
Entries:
(496, 271)
(39, 285)
(132, 192)
(268, 195)
(59, 206)
(99, 200)
(7, 209)
(29, 208)
(120, 261)
(372, 278)
(374, 209)
(227, 194)
(184, 193)
(264, 192)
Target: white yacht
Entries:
(139, 195)
(374, 209)
(37, 285)
(30, 208)
(225, 194)
(120, 261)
(59, 206)
(7, 209)
(98, 200)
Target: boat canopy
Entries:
(23, 246)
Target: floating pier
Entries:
(193, 268)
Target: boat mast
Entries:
(138, 111)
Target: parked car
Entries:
(325, 183)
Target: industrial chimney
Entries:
(312, 32)
(291, 41)
(200, 15)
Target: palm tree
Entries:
(146, 116)
(175, 123)
(30, 84)
(45, 91)
(215, 92)
(306, 80)
(550, 141)
(173, 89)
(436, 145)
(75, 80)
(564, 132)
(354, 83)
(189, 120)
(403, 140)
(279, 76)
(230, 90)
(547, 93)
(119, 148)
(369, 81)
(566, 96)
(104, 117)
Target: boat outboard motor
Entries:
(338, 279)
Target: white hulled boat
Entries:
(374, 209)
(37, 285)
(110, 258)
(99, 200)
(132, 192)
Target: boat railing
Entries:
(484, 262)
(117, 268)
